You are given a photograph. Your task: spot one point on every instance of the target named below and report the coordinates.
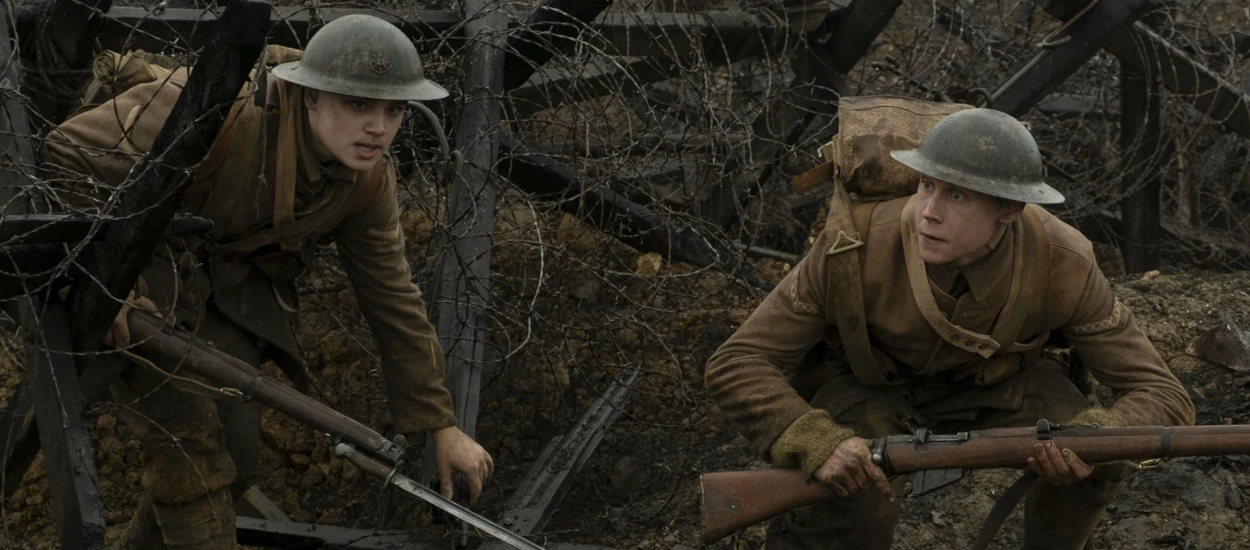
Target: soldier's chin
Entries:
(929, 255)
(356, 163)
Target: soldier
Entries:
(311, 164)
(961, 284)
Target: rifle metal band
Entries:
(1166, 443)
(252, 386)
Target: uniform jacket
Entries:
(271, 202)
(749, 376)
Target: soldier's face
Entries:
(353, 130)
(955, 225)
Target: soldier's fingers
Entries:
(1055, 457)
(445, 486)
(490, 465)
(860, 478)
(475, 487)
(1080, 469)
(1043, 461)
(839, 489)
(882, 482)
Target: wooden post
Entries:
(52, 383)
(461, 290)
(1139, 147)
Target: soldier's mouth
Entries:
(366, 151)
(930, 238)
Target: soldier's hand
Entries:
(1058, 467)
(118, 335)
(455, 451)
(850, 469)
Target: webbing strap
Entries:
(1030, 279)
(847, 286)
(1003, 508)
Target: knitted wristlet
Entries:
(808, 442)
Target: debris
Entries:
(648, 264)
(1226, 345)
(1232, 495)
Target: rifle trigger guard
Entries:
(1043, 430)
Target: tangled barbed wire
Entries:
(693, 115)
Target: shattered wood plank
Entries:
(855, 29)
(1084, 38)
(461, 290)
(1140, 146)
(62, 228)
(549, 30)
(67, 453)
(1224, 102)
(553, 473)
(162, 177)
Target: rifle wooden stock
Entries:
(734, 500)
(179, 350)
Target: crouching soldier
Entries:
(312, 163)
(936, 307)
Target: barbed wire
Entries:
(699, 111)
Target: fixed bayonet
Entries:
(377, 468)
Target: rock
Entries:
(1232, 495)
(300, 459)
(648, 264)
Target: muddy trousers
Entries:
(198, 453)
(1056, 518)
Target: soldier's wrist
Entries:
(808, 442)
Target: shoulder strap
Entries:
(1032, 270)
(847, 285)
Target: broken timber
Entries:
(51, 387)
(1084, 38)
(552, 474)
(461, 293)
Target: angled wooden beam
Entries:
(552, 475)
(1222, 101)
(461, 290)
(1082, 39)
(67, 453)
(163, 175)
(548, 31)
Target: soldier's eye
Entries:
(956, 195)
(359, 105)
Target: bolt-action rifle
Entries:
(734, 500)
(183, 352)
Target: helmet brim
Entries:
(421, 90)
(1035, 192)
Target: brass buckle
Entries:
(1152, 464)
(838, 247)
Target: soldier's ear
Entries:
(311, 97)
(1009, 211)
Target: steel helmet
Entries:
(986, 151)
(363, 56)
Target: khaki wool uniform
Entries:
(271, 203)
(937, 367)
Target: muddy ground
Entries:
(603, 307)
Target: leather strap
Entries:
(847, 286)
(1003, 508)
